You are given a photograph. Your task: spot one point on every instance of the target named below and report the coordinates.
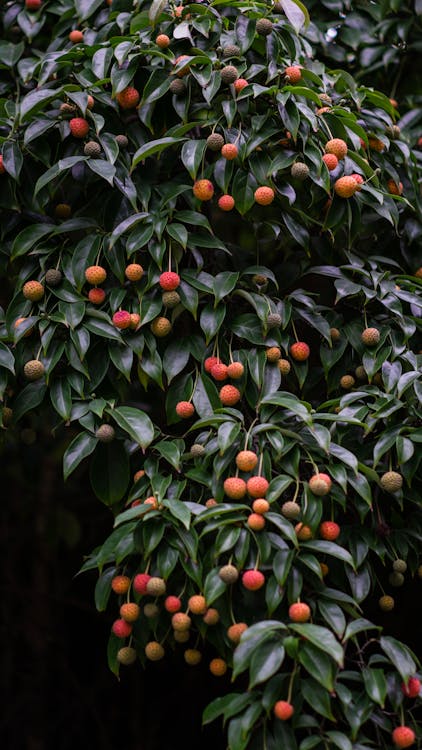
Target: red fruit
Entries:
(235, 488)
(294, 73)
(2, 167)
(169, 281)
(219, 371)
(185, 409)
(218, 667)
(329, 530)
(135, 320)
(346, 186)
(229, 395)
(203, 190)
(128, 98)
(226, 203)
(253, 580)
(76, 36)
(172, 604)
(210, 362)
(121, 319)
(120, 584)
(240, 84)
(403, 737)
(140, 583)
(264, 195)
(320, 484)
(96, 296)
(229, 151)
(359, 179)
(299, 612)
(235, 370)
(95, 275)
(257, 486)
(300, 351)
(330, 161)
(412, 689)
(79, 127)
(283, 710)
(162, 41)
(32, 4)
(121, 628)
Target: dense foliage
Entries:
(212, 239)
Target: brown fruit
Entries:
(33, 370)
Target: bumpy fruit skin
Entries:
(290, 509)
(283, 710)
(169, 281)
(211, 616)
(33, 291)
(140, 583)
(320, 484)
(264, 26)
(197, 604)
(161, 327)
(358, 179)
(229, 74)
(284, 366)
(215, 142)
(299, 171)
(246, 460)
(177, 87)
(203, 190)
(156, 586)
(330, 161)
(376, 144)
(299, 351)
(400, 566)
(197, 450)
(219, 371)
(274, 320)
(134, 272)
(181, 621)
(235, 370)
(329, 530)
(126, 655)
(412, 689)
(92, 148)
(256, 521)
(172, 604)
(209, 362)
(122, 141)
(345, 187)
(229, 395)
(235, 631)
(226, 203)
(299, 612)
(151, 610)
(154, 651)
(33, 370)
(218, 667)
(347, 382)
(181, 636)
(53, 277)
(235, 488)
(336, 146)
(105, 433)
(121, 628)
(253, 580)
(128, 98)
(170, 299)
(386, 603)
(228, 573)
(264, 195)
(229, 151)
(273, 354)
(293, 73)
(96, 296)
(192, 656)
(79, 127)
(370, 336)
(121, 319)
(391, 481)
(95, 275)
(403, 737)
(257, 486)
(240, 84)
(120, 584)
(396, 579)
(231, 50)
(185, 409)
(303, 532)
(162, 41)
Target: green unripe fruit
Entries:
(177, 87)
(229, 74)
(197, 449)
(400, 566)
(156, 586)
(92, 148)
(391, 481)
(126, 655)
(231, 50)
(33, 370)
(299, 171)
(215, 141)
(53, 277)
(396, 579)
(105, 433)
(274, 320)
(264, 26)
(290, 509)
(170, 299)
(228, 574)
(122, 141)
(360, 373)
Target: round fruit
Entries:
(235, 488)
(95, 275)
(203, 190)
(229, 74)
(231, 50)
(211, 616)
(257, 486)
(156, 586)
(140, 583)
(76, 36)
(324, 569)
(229, 395)
(128, 98)
(177, 87)
(403, 737)
(172, 604)
(413, 687)
(400, 566)
(358, 179)
(336, 146)
(283, 710)
(235, 370)
(386, 603)
(126, 655)
(396, 579)
(320, 484)
(345, 187)
(53, 277)
(209, 362)
(162, 41)
(33, 291)
(121, 319)
(134, 272)
(347, 382)
(226, 203)
(293, 73)
(329, 530)
(181, 636)
(62, 211)
(197, 450)
(273, 354)
(391, 481)
(197, 604)
(229, 151)
(32, 4)
(219, 371)
(120, 584)
(299, 612)
(290, 509)
(229, 574)
(121, 628)
(300, 351)
(79, 127)
(170, 299)
(154, 651)
(215, 142)
(240, 84)
(264, 195)
(129, 612)
(122, 141)
(161, 327)
(33, 370)
(274, 320)
(303, 532)
(92, 148)
(256, 521)
(218, 667)
(105, 433)
(335, 334)
(185, 409)
(246, 460)
(284, 366)
(235, 631)
(169, 281)
(370, 336)
(192, 656)
(184, 70)
(90, 102)
(180, 621)
(6, 416)
(299, 171)
(330, 161)
(264, 26)
(393, 188)
(96, 296)
(376, 144)
(253, 580)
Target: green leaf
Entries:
(400, 655)
(329, 548)
(179, 510)
(265, 662)
(135, 422)
(192, 154)
(124, 226)
(7, 359)
(61, 398)
(296, 13)
(103, 589)
(223, 284)
(29, 398)
(318, 664)
(80, 447)
(62, 166)
(154, 147)
(322, 638)
(214, 587)
(375, 685)
(317, 697)
(28, 237)
(109, 472)
(227, 705)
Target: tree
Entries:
(212, 241)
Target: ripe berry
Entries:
(140, 583)
(229, 151)
(403, 737)
(126, 655)
(320, 484)
(303, 532)
(180, 621)
(391, 481)
(235, 631)
(185, 409)
(226, 203)
(210, 362)
(121, 628)
(300, 351)
(264, 195)
(161, 327)
(128, 98)
(273, 353)
(154, 651)
(257, 486)
(253, 580)
(330, 161)
(79, 127)
(172, 604)
(240, 84)
(255, 521)
(76, 36)
(235, 370)
(299, 171)
(105, 433)
(219, 371)
(283, 710)
(345, 187)
(290, 509)
(33, 291)
(284, 366)
(96, 296)
(358, 179)
(229, 395)
(156, 586)
(95, 275)
(197, 604)
(260, 505)
(386, 603)
(293, 73)
(33, 370)
(370, 336)
(32, 4)
(229, 574)
(192, 656)
(376, 144)
(235, 488)
(336, 146)
(90, 102)
(121, 319)
(246, 460)
(162, 41)
(211, 616)
(347, 382)
(169, 281)
(135, 320)
(129, 612)
(229, 74)
(412, 689)
(218, 667)
(215, 142)
(120, 584)
(134, 272)
(329, 530)
(393, 188)
(203, 190)
(299, 612)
